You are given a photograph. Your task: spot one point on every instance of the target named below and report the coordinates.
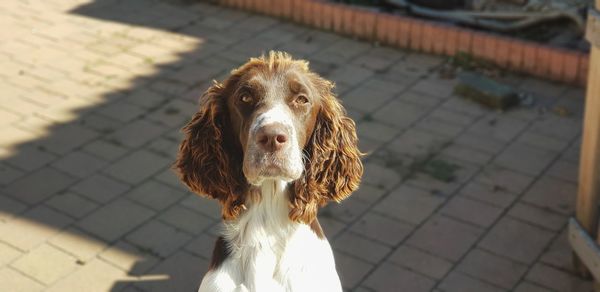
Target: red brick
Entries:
(465, 38)
(502, 51)
(451, 44)
(307, 13)
(246, 4)
(557, 63)
(393, 26)
(286, 8)
(317, 10)
(326, 16)
(237, 3)
(543, 61)
(252, 5)
(364, 24)
(416, 32)
(370, 22)
(490, 42)
(266, 7)
(439, 38)
(276, 8)
(338, 18)
(584, 62)
(382, 28)
(358, 25)
(571, 67)
(348, 21)
(529, 57)
(478, 44)
(272, 7)
(427, 37)
(515, 55)
(403, 31)
(390, 27)
(297, 10)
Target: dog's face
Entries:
(271, 119)
(273, 113)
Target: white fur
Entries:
(293, 165)
(271, 253)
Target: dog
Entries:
(272, 144)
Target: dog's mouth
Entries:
(261, 166)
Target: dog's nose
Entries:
(272, 137)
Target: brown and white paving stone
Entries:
(388, 277)
(502, 239)
(137, 167)
(360, 247)
(553, 194)
(381, 228)
(79, 164)
(445, 237)
(409, 204)
(129, 258)
(94, 276)
(180, 273)
(492, 269)
(421, 262)
(458, 282)
(525, 159)
(7, 254)
(72, 204)
(557, 280)
(530, 287)
(38, 185)
(33, 227)
(18, 282)
(75, 242)
(115, 219)
(472, 211)
(158, 238)
(351, 270)
(155, 195)
(45, 264)
(99, 188)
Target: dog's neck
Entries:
(267, 250)
(259, 237)
(266, 217)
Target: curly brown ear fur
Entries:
(208, 161)
(333, 169)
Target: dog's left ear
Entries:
(207, 161)
(333, 168)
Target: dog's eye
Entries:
(246, 99)
(301, 99)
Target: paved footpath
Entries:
(455, 197)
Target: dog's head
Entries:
(271, 119)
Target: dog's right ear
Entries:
(207, 154)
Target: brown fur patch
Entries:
(220, 254)
(316, 228)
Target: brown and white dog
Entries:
(272, 144)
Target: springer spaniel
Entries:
(272, 144)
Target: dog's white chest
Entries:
(268, 252)
(305, 263)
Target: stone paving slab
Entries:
(455, 197)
